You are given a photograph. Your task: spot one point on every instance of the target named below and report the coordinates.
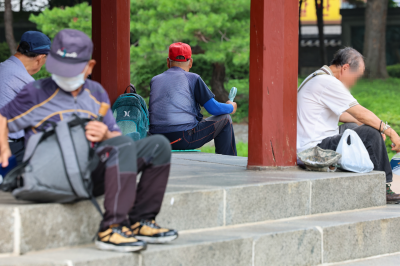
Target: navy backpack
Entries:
(131, 113)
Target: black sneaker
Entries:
(119, 238)
(151, 232)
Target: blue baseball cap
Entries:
(38, 42)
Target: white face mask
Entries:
(69, 84)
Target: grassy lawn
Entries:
(379, 96)
(240, 147)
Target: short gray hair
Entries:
(349, 56)
(178, 63)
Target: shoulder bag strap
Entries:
(324, 72)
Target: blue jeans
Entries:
(218, 128)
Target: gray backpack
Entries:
(57, 165)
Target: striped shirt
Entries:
(13, 77)
(42, 101)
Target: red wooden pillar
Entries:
(111, 38)
(273, 83)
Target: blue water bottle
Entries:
(395, 164)
(232, 94)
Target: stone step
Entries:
(313, 240)
(204, 191)
(382, 260)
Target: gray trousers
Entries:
(120, 160)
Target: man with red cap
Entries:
(176, 97)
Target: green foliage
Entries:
(41, 74)
(241, 147)
(4, 51)
(392, 3)
(218, 31)
(394, 71)
(78, 17)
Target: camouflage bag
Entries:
(317, 159)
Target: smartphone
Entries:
(12, 163)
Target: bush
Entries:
(78, 17)
(4, 51)
(41, 74)
(394, 71)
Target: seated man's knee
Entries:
(163, 151)
(119, 140)
(221, 118)
(370, 131)
(228, 116)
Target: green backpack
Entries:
(131, 113)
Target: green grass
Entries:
(380, 96)
(242, 149)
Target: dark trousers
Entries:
(373, 142)
(218, 128)
(18, 149)
(121, 160)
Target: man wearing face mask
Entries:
(129, 219)
(17, 71)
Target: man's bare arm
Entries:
(348, 118)
(5, 151)
(367, 117)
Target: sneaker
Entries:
(119, 238)
(391, 197)
(151, 232)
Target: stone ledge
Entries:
(200, 194)
(313, 240)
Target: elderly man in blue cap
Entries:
(17, 71)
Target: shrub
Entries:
(394, 71)
(4, 51)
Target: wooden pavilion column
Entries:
(111, 38)
(273, 83)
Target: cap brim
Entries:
(68, 70)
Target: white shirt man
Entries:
(324, 100)
(319, 107)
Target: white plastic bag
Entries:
(355, 157)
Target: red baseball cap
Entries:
(180, 49)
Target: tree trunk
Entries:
(319, 7)
(21, 5)
(217, 82)
(375, 39)
(300, 35)
(8, 25)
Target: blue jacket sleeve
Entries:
(216, 108)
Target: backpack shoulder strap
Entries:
(324, 72)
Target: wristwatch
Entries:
(385, 127)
